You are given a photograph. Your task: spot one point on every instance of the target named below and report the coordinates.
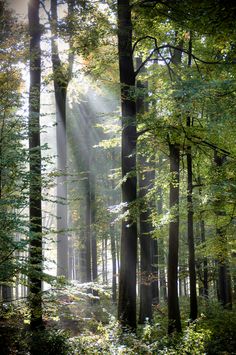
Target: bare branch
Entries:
(46, 11)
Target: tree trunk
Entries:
(35, 213)
(61, 81)
(161, 249)
(224, 280)
(113, 255)
(93, 231)
(128, 254)
(146, 253)
(88, 230)
(174, 322)
(113, 238)
(205, 265)
(191, 247)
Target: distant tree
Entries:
(61, 76)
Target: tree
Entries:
(128, 253)
(147, 244)
(190, 213)
(61, 77)
(174, 322)
(35, 245)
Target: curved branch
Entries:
(141, 39)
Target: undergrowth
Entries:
(77, 322)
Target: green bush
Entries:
(50, 342)
(222, 326)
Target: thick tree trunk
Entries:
(35, 213)
(128, 254)
(191, 246)
(174, 322)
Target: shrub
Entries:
(50, 342)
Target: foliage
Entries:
(212, 333)
(50, 342)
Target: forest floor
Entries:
(81, 323)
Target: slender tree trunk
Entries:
(205, 264)
(113, 239)
(224, 280)
(88, 230)
(93, 231)
(173, 301)
(191, 246)
(146, 178)
(61, 81)
(128, 254)
(35, 213)
(146, 253)
(161, 249)
(114, 272)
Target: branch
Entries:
(46, 11)
(141, 39)
(158, 49)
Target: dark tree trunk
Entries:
(191, 246)
(224, 280)
(6, 293)
(128, 254)
(174, 322)
(35, 213)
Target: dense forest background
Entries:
(117, 177)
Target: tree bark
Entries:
(61, 81)
(146, 252)
(224, 280)
(161, 249)
(148, 246)
(191, 246)
(128, 254)
(174, 323)
(35, 213)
